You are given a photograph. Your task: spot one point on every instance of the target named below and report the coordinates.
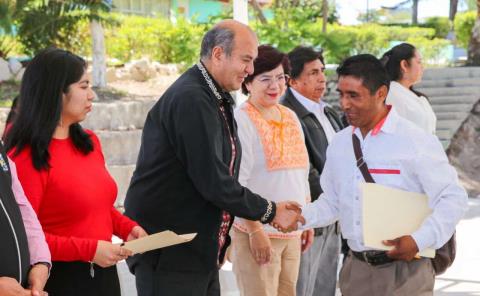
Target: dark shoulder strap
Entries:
(362, 166)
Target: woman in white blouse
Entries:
(275, 165)
(404, 65)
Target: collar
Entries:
(386, 124)
(213, 85)
(310, 105)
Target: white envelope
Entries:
(389, 213)
(156, 241)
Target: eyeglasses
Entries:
(267, 81)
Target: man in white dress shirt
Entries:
(318, 267)
(399, 155)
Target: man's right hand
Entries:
(287, 216)
(10, 287)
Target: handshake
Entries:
(287, 216)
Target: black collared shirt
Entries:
(182, 181)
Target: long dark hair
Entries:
(392, 59)
(47, 77)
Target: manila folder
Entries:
(156, 241)
(389, 213)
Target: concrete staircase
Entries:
(452, 93)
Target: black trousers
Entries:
(153, 281)
(75, 279)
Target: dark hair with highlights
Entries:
(268, 59)
(301, 55)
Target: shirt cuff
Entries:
(424, 238)
(308, 212)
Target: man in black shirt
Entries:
(187, 170)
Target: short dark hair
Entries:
(268, 59)
(47, 77)
(301, 55)
(367, 68)
(217, 36)
(391, 59)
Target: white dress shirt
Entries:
(401, 156)
(415, 108)
(319, 110)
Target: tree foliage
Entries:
(44, 23)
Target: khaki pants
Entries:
(279, 277)
(398, 278)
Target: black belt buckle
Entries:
(373, 258)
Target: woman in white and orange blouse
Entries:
(275, 165)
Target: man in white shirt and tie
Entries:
(307, 84)
(398, 155)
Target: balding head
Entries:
(223, 35)
(228, 51)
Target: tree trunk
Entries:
(415, 12)
(474, 45)
(453, 9)
(258, 12)
(325, 15)
(99, 65)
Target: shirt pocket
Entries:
(387, 173)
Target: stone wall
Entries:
(464, 151)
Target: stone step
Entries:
(449, 82)
(454, 107)
(446, 73)
(118, 115)
(443, 134)
(444, 100)
(122, 175)
(451, 91)
(451, 115)
(120, 147)
(445, 144)
(452, 124)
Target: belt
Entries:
(373, 258)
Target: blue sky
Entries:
(349, 9)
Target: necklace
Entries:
(209, 81)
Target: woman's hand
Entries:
(108, 254)
(37, 278)
(307, 239)
(10, 287)
(260, 246)
(137, 232)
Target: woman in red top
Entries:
(62, 170)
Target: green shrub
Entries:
(463, 25)
(432, 50)
(156, 38)
(441, 25)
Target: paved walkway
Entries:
(462, 279)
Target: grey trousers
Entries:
(398, 278)
(318, 266)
